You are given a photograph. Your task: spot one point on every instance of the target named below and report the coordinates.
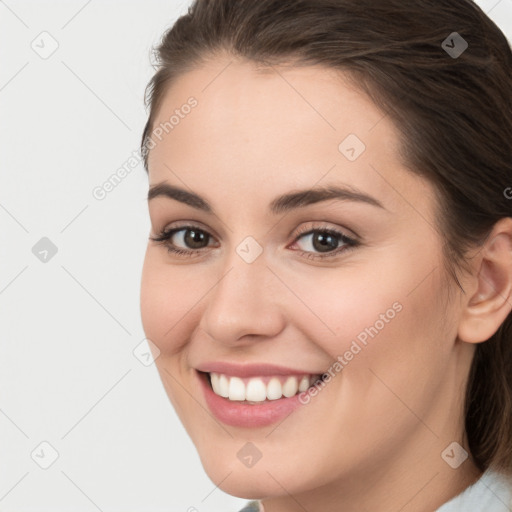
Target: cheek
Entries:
(167, 302)
(373, 314)
(392, 344)
(339, 306)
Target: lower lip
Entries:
(239, 414)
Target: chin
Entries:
(247, 483)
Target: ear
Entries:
(490, 301)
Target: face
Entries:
(268, 287)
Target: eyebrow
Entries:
(280, 204)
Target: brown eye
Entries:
(194, 238)
(184, 241)
(324, 241)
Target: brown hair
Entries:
(453, 113)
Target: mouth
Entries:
(258, 389)
(256, 395)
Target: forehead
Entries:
(265, 130)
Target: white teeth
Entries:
(236, 389)
(290, 387)
(223, 386)
(214, 379)
(274, 389)
(255, 390)
(304, 384)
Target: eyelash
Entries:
(350, 243)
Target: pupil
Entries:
(196, 237)
(325, 242)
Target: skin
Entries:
(372, 438)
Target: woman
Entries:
(328, 278)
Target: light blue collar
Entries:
(492, 492)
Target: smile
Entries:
(253, 395)
(259, 389)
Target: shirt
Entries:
(492, 492)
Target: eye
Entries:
(325, 241)
(192, 238)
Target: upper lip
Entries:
(250, 370)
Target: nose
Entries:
(245, 304)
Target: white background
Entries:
(68, 327)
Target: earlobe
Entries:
(491, 302)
